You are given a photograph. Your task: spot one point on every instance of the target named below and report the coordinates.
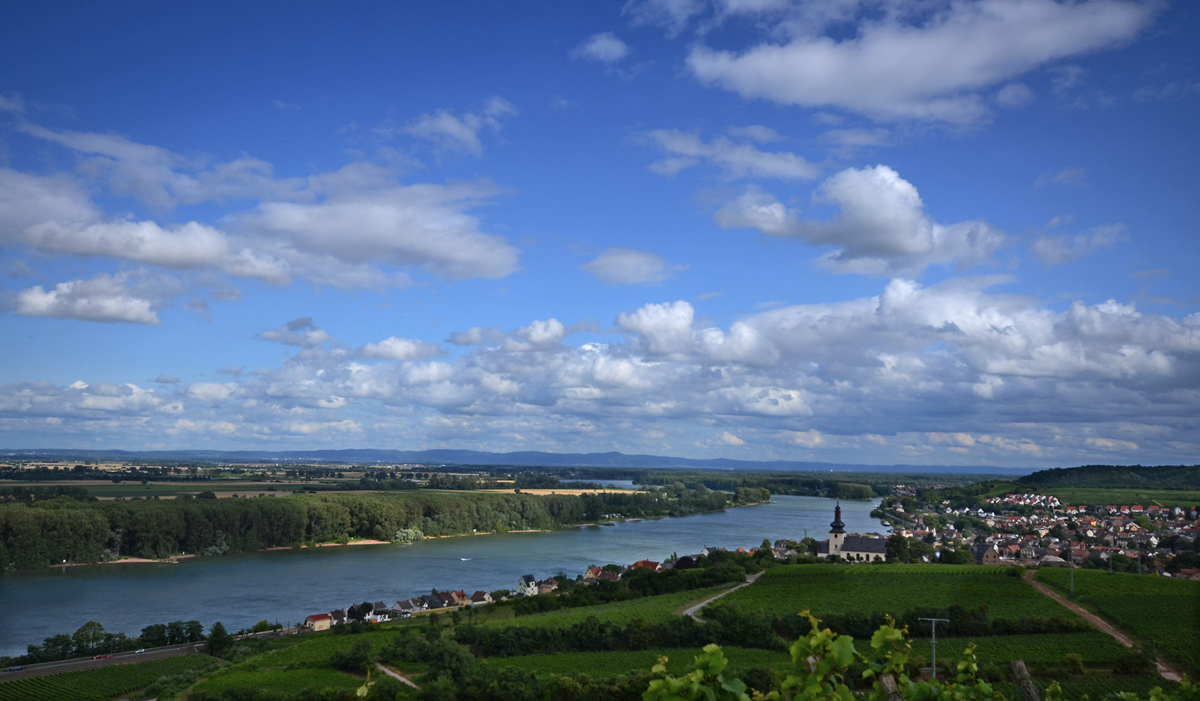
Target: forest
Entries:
(73, 529)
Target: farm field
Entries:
(1096, 648)
(896, 589)
(280, 681)
(607, 664)
(315, 649)
(651, 609)
(102, 683)
(1072, 496)
(1163, 611)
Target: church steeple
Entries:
(837, 526)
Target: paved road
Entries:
(396, 675)
(157, 653)
(691, 612)
(1164, 669)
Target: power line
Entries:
(933, 641)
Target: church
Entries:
(852, 548)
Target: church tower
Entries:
(837, 532)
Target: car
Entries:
(14, 668)
(138, 652)
(108, 657)
(98, 657)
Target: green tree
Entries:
(219, 640)
(89, 639)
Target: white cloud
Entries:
(730, 439)
(604, 47)
(912, 372)
(671, 14)
(881, 229)
(476, 336)
(461, 132)
(1066, 176)
(401, 349)
(102, 298)
(301, 332)
(927, 62)
(625, 266)
(685, 150)
(1014, 95)
(1059, 249)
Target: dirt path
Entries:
(691, 611)
(1165, 670)
(396, 675)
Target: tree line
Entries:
(42, 533)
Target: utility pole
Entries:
(1071, 557)
(933, 641)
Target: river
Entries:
(287, 585)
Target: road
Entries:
(691, 612)
(158, 653)
(396, 675)
(1165, 670)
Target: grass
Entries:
(1071, 496)
(1161, 611)
(894, 589)
(607, 664)
(99, 683)
(651, 609)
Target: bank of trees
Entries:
(91, 639)
(43, 533)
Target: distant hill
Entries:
(1117, 477)
(474, 457)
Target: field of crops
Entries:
(315, 649)
(284, 682)
(1096, 648)
(837, 589)
(1127, 497)
(650, 609)
(101, 683)
(606, 664)
(1164, 611)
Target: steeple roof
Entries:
(837, 526)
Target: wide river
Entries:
(287, 585)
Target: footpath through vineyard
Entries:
(1165, 670)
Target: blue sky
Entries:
(863, 231)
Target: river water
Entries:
(287, 585)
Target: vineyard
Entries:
(291, 681)
(1096, 648)
(101, 683)
(1165, 612)
(651, 609)
(836, 589)
(607, 664)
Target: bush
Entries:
(356, 659)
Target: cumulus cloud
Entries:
(736, 160)
(625, 266)
(927, 62)
(1058, 249)
(881, 228)
(1014, 95)
(165, 379)
(301, 332)
(104, 298)
(604, 48)
(352, 228)
(402, 349)
(460, 132)
(729, 439)
(914, 372)
(476, 336)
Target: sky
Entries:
(864, 231)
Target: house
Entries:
(318, 621)
(432, 601)
(985, 554)
(337, 617)
(447, 599)
(646, 565)
(547, 586)
(460, 597)
(707, 551)
(593, 572)
(527, 586)
(480, 598)
(853, 547)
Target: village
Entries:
(1037, 530)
